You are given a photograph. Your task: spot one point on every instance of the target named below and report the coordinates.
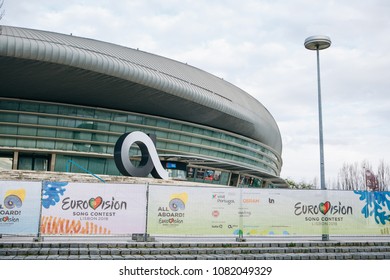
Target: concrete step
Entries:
(196, 251)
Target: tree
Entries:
(362, 177)
(301, 185)
(2, 12)
(383, 176)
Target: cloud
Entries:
(258, 46)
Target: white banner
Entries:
(19, 207)
(93, 209)
(259, 212)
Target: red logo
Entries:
(215, 213)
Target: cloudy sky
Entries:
(258, 46)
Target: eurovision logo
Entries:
(323, 208)
(330, 212)
(174, 213)
(94, 203)
(12, 201)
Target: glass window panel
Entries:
(81, 147)
(6, 163)
(81, 164)
(65, 146)
(43, 144)
(163, 123)
(103, 126)
(161, 134)
(173, 136)
(184, 148)
(113, 138)
(7, 142)
(48, 108)
(66, 122)
(151, 122)
(29, 107)
(26, 143)
(111, 168)
(110, 150)
(119, 117)
(67, 111)
(40, 163)
(100, 137)
(195, 150)
(64, 134)
(103, 115)
(185, 138)
(9, 117)
(134, 119)
(85, 112)
(98, 149)
(46, 132)
(196, 140)
(171, 146)
(31, 131)
(175, 126)
(82, 136)
(117, 128)
(7, 129)
(9, 105)
(96, 165)
(161, 145)
(47, 120)
(28, 119)
(25, 163)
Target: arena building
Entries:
(65, 100)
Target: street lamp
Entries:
(317, 43)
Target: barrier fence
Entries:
(62, 208)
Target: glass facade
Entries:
(87, 136)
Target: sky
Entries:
(258, 45)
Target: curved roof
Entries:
(56, 67)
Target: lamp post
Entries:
(317, 43)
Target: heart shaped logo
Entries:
(324, 207)
(95, 202)
(171, 220)
(5, 219)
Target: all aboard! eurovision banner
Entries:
(259, 212)
(98, 209)
(19, 207)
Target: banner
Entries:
(313, 212)
(193, 211)
(259, 212)
(93, 209)
(19, 207)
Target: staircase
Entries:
(128, 250)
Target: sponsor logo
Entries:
(221, 198)
(215, 213)
(217, 226)
(251, 201)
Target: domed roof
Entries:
(56, 67)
